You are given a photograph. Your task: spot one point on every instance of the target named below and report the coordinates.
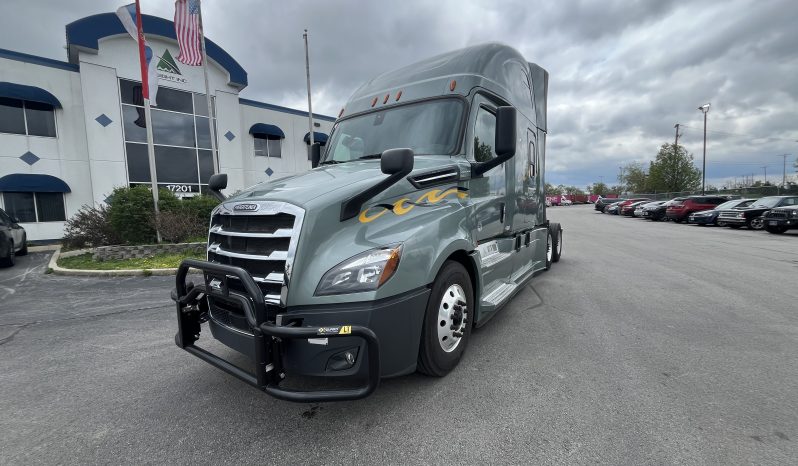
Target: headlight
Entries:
(794, 213)
(364, 272)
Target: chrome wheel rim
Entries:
(548, 248)
(757, 224)
(452, 318)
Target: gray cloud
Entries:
(622, 72)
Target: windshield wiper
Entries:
(330, 162)
(370, 156)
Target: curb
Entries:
(53, 265)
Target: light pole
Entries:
(704, 108)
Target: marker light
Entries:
(387, 96)
(340, 113)
(452, 85)
(398, 95)
(374, 102)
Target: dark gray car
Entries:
(13, 240)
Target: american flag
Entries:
(188, 33)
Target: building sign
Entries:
(168, 69)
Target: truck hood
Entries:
(335, 182)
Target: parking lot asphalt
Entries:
(648, 343)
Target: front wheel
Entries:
(756, 223)
(9, 259)
(447, 323)
(24, 250)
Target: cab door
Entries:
(491, 221)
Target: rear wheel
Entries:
(447, 323)
(776, 230)
(9, 258)
(556, 232)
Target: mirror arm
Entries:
(218, 195)
(480, 168)
(350, 208)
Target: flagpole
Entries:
(148, 118)
(208, 93)
(310, 108)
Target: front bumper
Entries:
(781, 222)
(733, 220)
(382, 336)
(701, 220)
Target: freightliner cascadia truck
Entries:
(422, 217)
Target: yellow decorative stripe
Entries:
(404, 205)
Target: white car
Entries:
(566, 202)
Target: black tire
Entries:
(556, 252)
(24, 250)
(776, 230)
(10, 257)
(722, 224)
(433, 359)
(756, 224)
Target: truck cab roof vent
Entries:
(441, 176)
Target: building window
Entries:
(181, 138)
(271, 147)
(26, 117)
(35, 207)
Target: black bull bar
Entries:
(267, 336)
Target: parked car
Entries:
(680, 211)
(602, 203)
(710, 217)
(565, 201)
(631, 201)
(13, 240)
(657, 213)
(781, 219)
(643, 210)
(629, 209)
(751, 216)
(612, 209)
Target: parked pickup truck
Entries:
(751, 216)
(781, 219)
(422, 218)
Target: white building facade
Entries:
(71, 132)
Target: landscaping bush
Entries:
(179, 225)
(129, 219)
(90, 226)
(131, 212)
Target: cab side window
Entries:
(484, 136)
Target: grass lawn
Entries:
(160, 261)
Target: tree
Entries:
(573, 191)
(599, 188)
(552, 190)
(634, 178)
(673, 170)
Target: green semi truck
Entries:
(422, 217)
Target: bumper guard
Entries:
(192, 312)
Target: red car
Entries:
(679, 211)
(630, 202)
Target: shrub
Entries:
(178, 225)
(200, 208)
(131, 212)
(90, 226)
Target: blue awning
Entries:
(30, 183)
(266, 131)
(30, 93)
(321, 138)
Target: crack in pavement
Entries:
(15, 332)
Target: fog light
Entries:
(342, 360)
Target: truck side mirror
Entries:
(397, 161)
(216, 184)
(504, 142)
(315, 154)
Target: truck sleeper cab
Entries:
(346, 273)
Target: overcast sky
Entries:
(622, 72)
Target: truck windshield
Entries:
(430, 127)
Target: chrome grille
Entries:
(261, 241)
(728, 214)
(776, 214)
